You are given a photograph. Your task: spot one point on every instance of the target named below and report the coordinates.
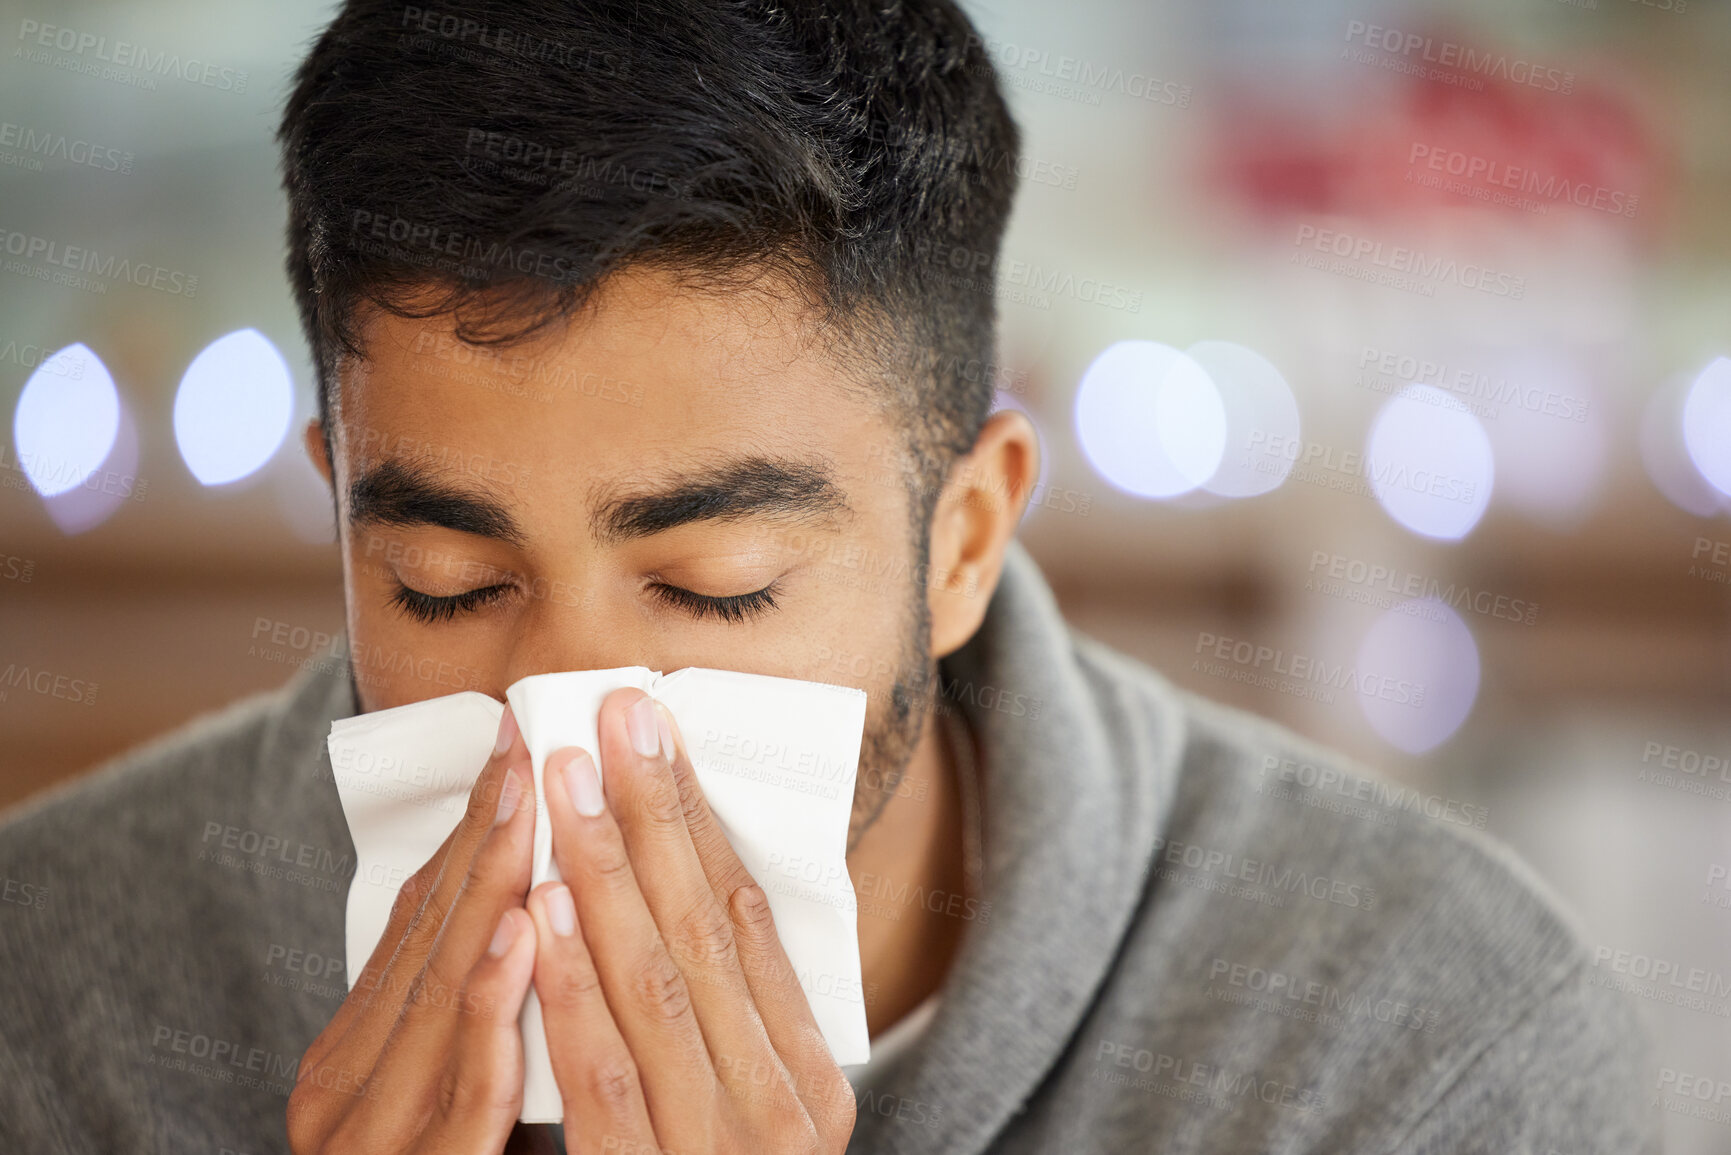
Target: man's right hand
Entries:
(425, 1053)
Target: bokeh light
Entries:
(66, 421)
(1257, 401)
(108, 487)
(1150, 420)
(1707, 424)
(1667, 459)
(1419, 674)
(1429, 463)
(232, 411)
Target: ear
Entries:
(977, 513)
(314, 436)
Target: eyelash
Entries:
(427, 608)
(734, 608)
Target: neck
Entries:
(905, 870)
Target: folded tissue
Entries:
(775, 757)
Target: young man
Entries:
(648, 333)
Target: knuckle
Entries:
(660, 808)
(431, 987)
(464, 1092)
(612, 1084)
(705, 936)
(574, 988)
(661, 990)
(751, 912)
(414, 892)
(484, 799)
(610, 865)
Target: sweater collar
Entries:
(1077, 780)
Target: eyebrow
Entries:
(400, 493)
(736, 490)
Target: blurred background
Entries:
(1379, 354)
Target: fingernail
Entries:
(664, 722)
(640, 724)
(508, 795)
(561, 912)
(504, 936)
(507, 731)
(583, 786)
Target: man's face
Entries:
(675, 479)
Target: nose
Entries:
(577, 628)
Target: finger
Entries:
(403, 969)
(693, 922)
(350, 1044)
(598, 1080)
(774, 984)
(496, 883)
(481, 1094)
(647, 992)
(366, 987)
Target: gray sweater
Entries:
(1204, 935)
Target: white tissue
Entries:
(776, 759)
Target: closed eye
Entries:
(428, 608)
(732, 608)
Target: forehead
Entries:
(648, 373)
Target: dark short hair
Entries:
(497, 161)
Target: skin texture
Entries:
(551, 447)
